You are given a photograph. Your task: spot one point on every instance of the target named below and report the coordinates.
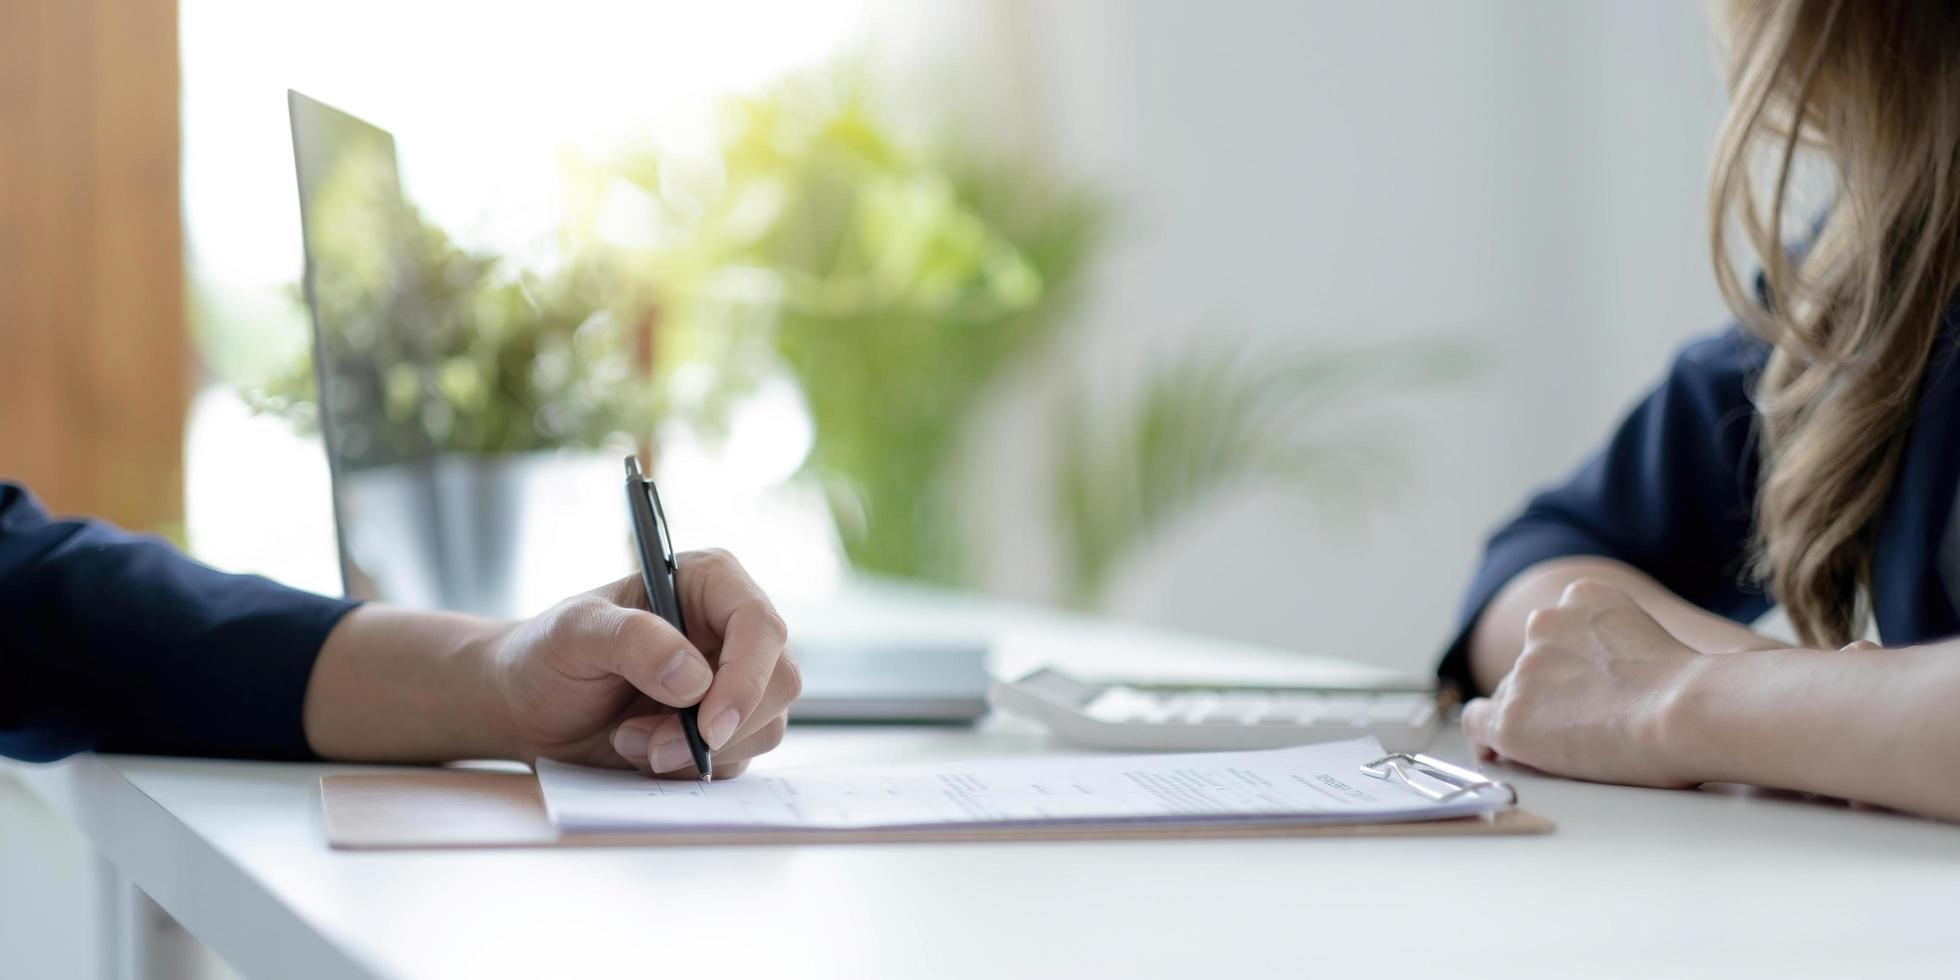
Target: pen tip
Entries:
(707, 777)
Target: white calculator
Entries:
(1198, 718)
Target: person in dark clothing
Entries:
(116, 642)
(1808, 458)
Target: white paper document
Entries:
(1312, 783)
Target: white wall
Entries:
(1526, 174)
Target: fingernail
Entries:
(670, 756)
(722, 728)
(686, 676)
(630, 740)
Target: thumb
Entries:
(590, 637)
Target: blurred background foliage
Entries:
(438, 349)
(1208, 420)
(893, 278)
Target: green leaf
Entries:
(1213, 418)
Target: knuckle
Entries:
(745, 690)
(770, 624)
(1504, 713)
(792, 676)
(1530, 663)
(765, 622)
(635, 627)
(619, 592)
(1487, 723)
(572, 619)
(1583, 591)
(719, 559)
(1540, 621)
(771, 735)
(1523, 688)
(1498, 730)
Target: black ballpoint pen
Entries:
(657, 570)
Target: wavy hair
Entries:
(1872, 87)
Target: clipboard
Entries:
(465, 808)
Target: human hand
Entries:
(598, 680)
(1592, 694)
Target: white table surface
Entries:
(1634, 883)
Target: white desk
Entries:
(1635, 883)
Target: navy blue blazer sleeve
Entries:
(1671, 494)
(117, 642)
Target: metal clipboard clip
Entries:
(1418, 772)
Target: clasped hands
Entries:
(1591, 695)
(1602, 692)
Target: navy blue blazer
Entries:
(1672, 495)
(117, 642)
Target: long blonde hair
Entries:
(1853, 311)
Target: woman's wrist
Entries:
(1725, 709)
(1686, 734)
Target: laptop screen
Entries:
(366, 283)
(437, 504)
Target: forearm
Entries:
(396, 685)
(1499, 634)
(1876, 726)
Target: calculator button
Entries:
(1305, 709)
(1246, 711)
(1347, 709)
(1122, 704)
(1193, 709)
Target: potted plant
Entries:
(893, 279)
(468, 402)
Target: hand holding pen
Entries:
(600, 680)
(732, 666)
(719, 707)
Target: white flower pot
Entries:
(493, 535)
